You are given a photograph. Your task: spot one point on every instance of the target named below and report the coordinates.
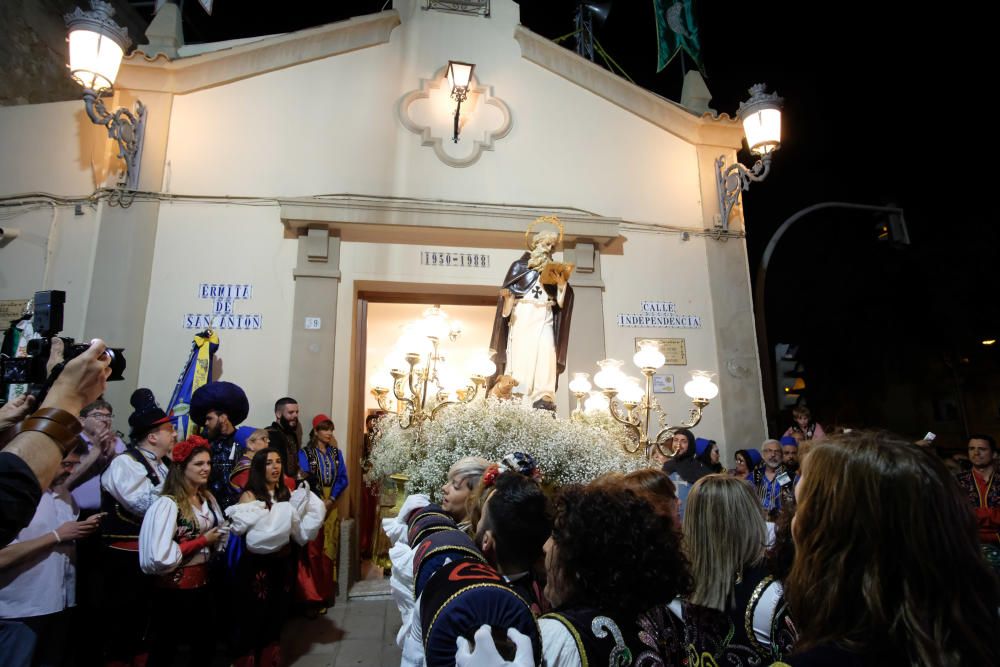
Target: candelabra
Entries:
(633, 406)
(418, 376)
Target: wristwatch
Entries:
(61, 426)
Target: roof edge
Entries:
(661, 112)
(207, 70)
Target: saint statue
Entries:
(531, 327)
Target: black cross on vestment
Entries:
(537, 292)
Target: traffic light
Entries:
(789, 374)
(892, 229)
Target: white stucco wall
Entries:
(205, 243)
(330, 126)
(662, 267)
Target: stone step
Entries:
(370, 589)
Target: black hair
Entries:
(706, 457)
(257, 482)
(282, 402)
(615, 551)
(690, 451)
(990, 440)
(517, 513)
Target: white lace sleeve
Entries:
(271, 532)
(309, 517)
(245, 515)
(125, 479)
(395, 528)
(159, 553)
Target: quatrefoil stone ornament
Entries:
(428, 111)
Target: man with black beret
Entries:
(129, 486)
(219, 407)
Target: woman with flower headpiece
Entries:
(323, 465)
(180, 532)
(269, 518)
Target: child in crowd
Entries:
(804, 427)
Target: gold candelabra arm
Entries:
(659, 442)
(465, 395)
(381, 394)
(695, 415)
(694, 418)
(578, 412)
(628, 420)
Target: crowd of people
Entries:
(849, 548)
(846, 548)
(130, 539)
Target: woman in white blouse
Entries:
(269, 517)
(180, 532)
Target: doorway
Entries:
(378, 321)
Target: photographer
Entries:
(41, 439)
(37, 570)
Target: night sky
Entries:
(883, 104)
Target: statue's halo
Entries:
(543, 220)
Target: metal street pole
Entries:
(766, 362)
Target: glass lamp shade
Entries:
(580, 384)
(435, 324)
(459, 75)
(381, 379)
(396, 361)
(448, 379)
(763, 130)
(597, 402)
(482, 364)
(761, 118)
(629, 391)
(96, 45)
(414, 339)
(94, 59)
(701, 387)
(610, 374)
(649, 355)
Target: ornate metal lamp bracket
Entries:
(125, 127)
(731, 180)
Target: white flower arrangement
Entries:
(566, 451)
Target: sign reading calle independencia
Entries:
(223, 296)
(659, 314)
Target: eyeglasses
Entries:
(100, 416)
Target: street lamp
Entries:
(459, 80)
(96, 46)
(633, 405)
(761, 118)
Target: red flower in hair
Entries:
(490, 475)
(182, 450)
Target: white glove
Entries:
(486, 654)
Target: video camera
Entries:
(47, 322)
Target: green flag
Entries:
(676, 30)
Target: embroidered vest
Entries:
(120, 524)
(599, 639)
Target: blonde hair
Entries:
(257, 434)
(466, 467)
(724, 533)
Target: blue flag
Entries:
(197, 373)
